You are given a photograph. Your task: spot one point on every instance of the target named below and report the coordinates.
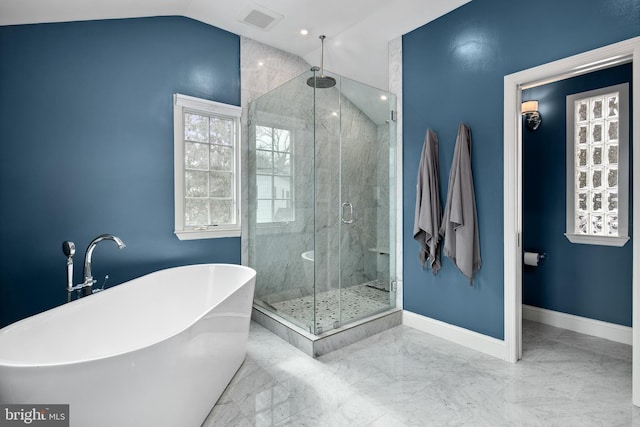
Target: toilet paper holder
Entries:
(533, 258)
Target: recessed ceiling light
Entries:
(260, 64)
(383, 97)
(304, 32)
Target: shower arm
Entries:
(322, 55)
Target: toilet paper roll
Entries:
(531, 258)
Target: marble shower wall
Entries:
(275, 249)
(346, 151)
(262, 69)
(379, 259)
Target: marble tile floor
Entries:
(404, 377)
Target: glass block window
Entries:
(274, 175)
(206, 144)
(597, 166)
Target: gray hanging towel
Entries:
(428, 215)
(460, 220)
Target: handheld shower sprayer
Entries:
(69, 250)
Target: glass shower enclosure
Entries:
(321, 201)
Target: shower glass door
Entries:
(366, 208)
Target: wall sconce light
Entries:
(531, 114)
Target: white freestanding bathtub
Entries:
(158, 350)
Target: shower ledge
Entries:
(381, 251)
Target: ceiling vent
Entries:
(261, 18)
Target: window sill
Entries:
(207, 234)
(597, 240)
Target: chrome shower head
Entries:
(321, 82)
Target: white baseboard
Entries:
(479, 342)
(584, 325)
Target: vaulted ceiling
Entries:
(358, 31)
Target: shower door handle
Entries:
(350, 210)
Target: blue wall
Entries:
(453, 71)
(584, 280)
(86, 140)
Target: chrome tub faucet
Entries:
(87, 286)
(69, 249)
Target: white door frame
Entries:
(617, 53)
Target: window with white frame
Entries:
(206, 168)
(598, 166)
(274, 175)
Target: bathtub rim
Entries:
(4, 363)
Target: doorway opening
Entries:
(623, 52)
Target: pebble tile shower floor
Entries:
(356, 302)
(404, 377)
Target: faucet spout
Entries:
(88, 278)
